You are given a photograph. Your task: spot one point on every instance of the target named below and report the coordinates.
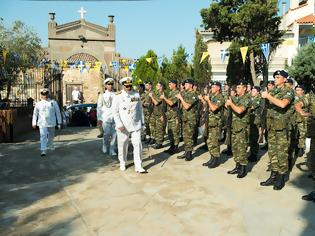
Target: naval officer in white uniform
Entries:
(129, 119)
(105, 117)
(46, 116)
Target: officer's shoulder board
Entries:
(117, 93)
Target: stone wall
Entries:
(89, 82)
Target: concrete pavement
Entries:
(77, 190)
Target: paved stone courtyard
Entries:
(77, 190)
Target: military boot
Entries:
(175, 149)
(189, 156)
(235, 170)
(208, 162)
(227, 151)
(271, 180)
(214, 163)
(309, 197)
(170, 150)
(279, 182)
(242, 172)
(182, 156)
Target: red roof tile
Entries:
(310, 19)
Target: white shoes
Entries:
(43, 153)
(104, 149)
(122, 168)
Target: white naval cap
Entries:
(44, 91)
(108, 80)
(126, 81)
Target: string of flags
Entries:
(265, 48)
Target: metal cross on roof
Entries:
(82, 12)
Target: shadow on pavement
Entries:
(307, 185)
(26, 178)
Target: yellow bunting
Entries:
(4, 54)
(149, 59)
(244, 52)
(288, 42)
(97, 65)
(204, 56)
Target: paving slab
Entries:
(78, 190)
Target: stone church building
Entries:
(82, 41)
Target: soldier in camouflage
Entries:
(188, 101)
(301, 121)
(292, 132)
(158, 119)
(254, 123)
(172, 116)
(215, 102)
(147, 111)
(309, 101)
(239, 105)
(279, 99)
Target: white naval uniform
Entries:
(105, 114)
(46, 116)
(128, 113)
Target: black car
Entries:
(82, 114)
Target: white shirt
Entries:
(46, 114)
(104, 106)
(75, 95)
(127, 111)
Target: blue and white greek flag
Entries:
(224, 53)
(265, 47)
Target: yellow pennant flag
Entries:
(149, 59)
(288, 42)
(97, 65)
(204, 56)
(4, 54)
(244, 52)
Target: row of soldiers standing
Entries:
(244, 114)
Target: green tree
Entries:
(303, 67)
(248, 22)
(147, 68)
(176, 67)
(201, 71)
(180, 64)
(23, 48)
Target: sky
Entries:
(161, 25)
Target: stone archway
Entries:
(82, 57)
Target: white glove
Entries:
(59, 126)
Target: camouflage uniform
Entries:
(157, 126)
(189, 119)
(277, 125)
(311, 132)
(301, 122)
(214, 125)
(292, 133)
(172, 119)
(240, 130)
(147, 110)
(254, 123)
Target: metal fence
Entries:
(27, 89)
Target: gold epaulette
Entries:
(117, 93)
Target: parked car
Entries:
(81, 114)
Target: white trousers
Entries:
(47, 135)
(109, 137)
(123, 139)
